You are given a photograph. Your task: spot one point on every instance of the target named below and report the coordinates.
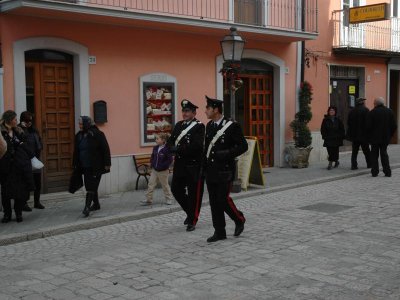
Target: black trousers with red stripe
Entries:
(222, 203)
(189, 195)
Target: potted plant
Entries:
(297, 155)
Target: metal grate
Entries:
(326, 207)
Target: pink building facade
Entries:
(60, 58)
(347, 61)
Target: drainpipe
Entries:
(303, 43)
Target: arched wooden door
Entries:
(259, 113)
(50, 87)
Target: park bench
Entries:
(143, 167)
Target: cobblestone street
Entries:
(337, 240)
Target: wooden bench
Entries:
(143, 167)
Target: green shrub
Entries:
(301, 132)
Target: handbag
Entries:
(36, 163)
(76, 181)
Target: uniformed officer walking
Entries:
(187, 142)
(224, 141)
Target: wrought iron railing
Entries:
(380, 35)
(291, 15)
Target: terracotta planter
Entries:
(297, 157)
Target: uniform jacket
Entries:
(99, 150)
(161, 160)
(189, 151)
(220, 165)
(357, 124)
(332, 131)
(381, 125)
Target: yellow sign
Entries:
(369, 13)
(352, 89)
(249, 164)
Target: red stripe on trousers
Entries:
(233, 206)
(196, 210)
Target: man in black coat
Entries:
(224, 141)
(357, 132)
(381, 125)
(187, 143)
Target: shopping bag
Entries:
(36, 163)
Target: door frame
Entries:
(279, 70)
(80, 55)
(393, 67)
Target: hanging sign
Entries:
(249, 164)
(369, 13)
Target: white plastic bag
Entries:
(36, 163)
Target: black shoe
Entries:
(336, 164)
(19, 219)
(94, 207)
(354, 168)
(38, 205)
(329, 166)
(190, 227)
(239, 229)
(374, 175)
(26, 208)
(215, 238)
(86, 211)
(6, 219)
(388, 175)
(186, 221)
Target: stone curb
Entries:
(121, 218)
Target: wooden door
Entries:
(259, 112)
(55, 121)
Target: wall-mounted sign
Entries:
(352, 89)
(369, 13)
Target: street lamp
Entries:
(232, 49)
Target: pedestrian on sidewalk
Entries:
(381, 125)
(34, 142)
(187, 143)
(91, 159)
(357, 132)
(332, 131)
(224, 141)
(15, 168)
(161, 159)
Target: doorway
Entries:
(343, 96)
(50, 96)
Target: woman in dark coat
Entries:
(91, 159)
(332, 131)
(15, 167)
(34, 142)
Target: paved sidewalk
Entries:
(63, 211)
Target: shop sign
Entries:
(352, 89)
(369, 13)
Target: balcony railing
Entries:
(286, 15)
(381, 36)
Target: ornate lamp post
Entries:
(232, 49)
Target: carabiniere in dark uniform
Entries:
(220, 168)
(187, 185)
